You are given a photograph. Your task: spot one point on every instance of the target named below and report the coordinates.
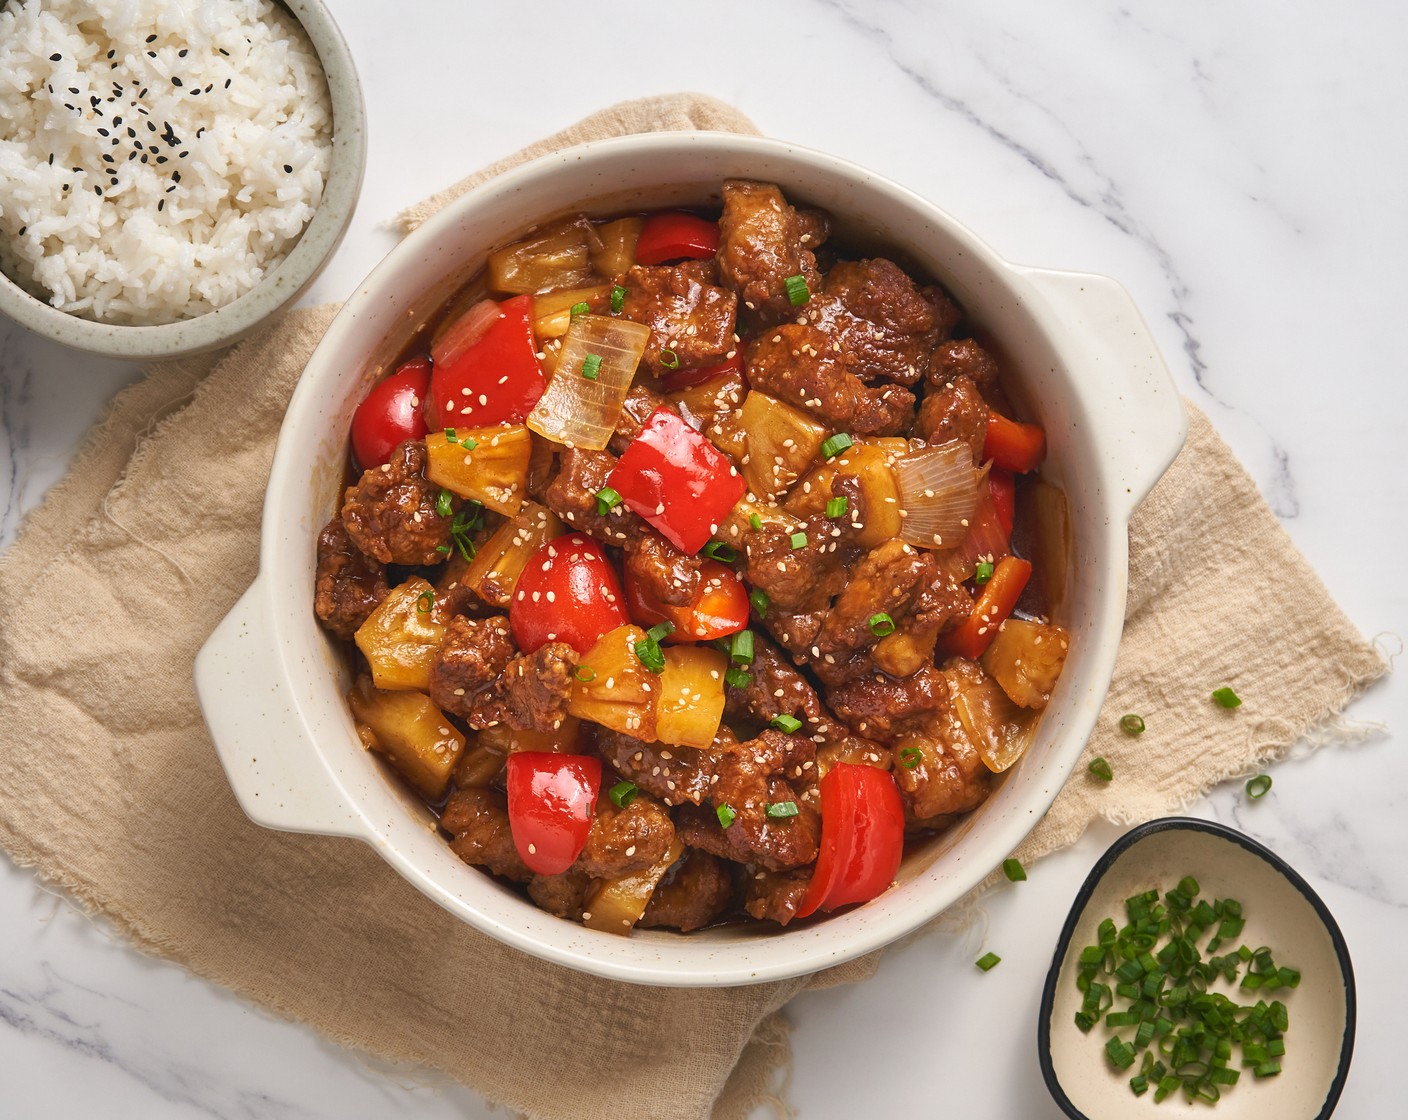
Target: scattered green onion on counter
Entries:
(1259, 786)
(1132, 724)
(1101, 769)
(988, 961)
(1226, 698)
(1014, 870)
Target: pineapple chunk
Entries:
(1025, 659)
(492, 470)
(782, 441)
(552, 312)
(997, 727)
(615, 905)
(401, 637)
(704, 403)
(620, 693)
(414, 735)
(556, 257)
(618, 246)
(479, 765)
(691, 696)
(494, 572)
(870, 463)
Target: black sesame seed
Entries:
(227, 83)
(175, 176)
(98, 190)
(288, 168)
(66, 186)
(209, 87)
(151, 126)
(144, 157)
(161, 159)
(132, 132)
(181, 53)
(51, 88)
(51, 159)
(104, 132)
(113, 181)
(224, 52)
(111, 53)
(73, 89)
(77, 169)
(182, 154)
(151, 54)
(92, 100)
(107, 158)
(160, 203)
(56, 58)
(143, 93)
(131, 156)
(23, 230)
(170, 189)
(195, 93)
(151, 38)
(175, 81)
(117, 120)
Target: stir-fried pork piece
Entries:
(624, 841)
(349, 584)
(693, 893)
(572, 496)
(763, 241)
(775, 895)
(478, 675)
(687, 312)
(390, 513)
(675, 775)
(478, 821)
(954, 410)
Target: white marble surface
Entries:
(1238, 166)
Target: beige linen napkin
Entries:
(112, 791)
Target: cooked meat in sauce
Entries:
(717, 605)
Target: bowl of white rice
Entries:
(173, 173)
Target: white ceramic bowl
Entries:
(271, 682)
(286, 282)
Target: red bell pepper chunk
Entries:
(551, 798)
(719, 608)
(672, 381)
(566, 593)
(677, 481)
(1003, 488)
(862, 838)
(671, 236)
(394, 411)
(1013, 446)
(999, 596)
(496, 380)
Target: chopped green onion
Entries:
(591, 366)
(1258, 787)
(988, 961)
(578, 309)
(442, 503)
(718, 550)
(983, 571)
(425, 602)
(1014, 870)
(660, 631)
(760, 602)
(737, 678)
(881, 624)
(836, 507)
(910, 757)
(726, 815)
(618, 298)
(648, 654)
(446, 549)
(1132, 724)
(799, 540)
(797, 291)
(1101, 769)
(740, 648)
(623, 793)
(668, 358)
(606, 500)
(834, 445)
(755, 521)
(450, 435)
(1226, 698)
(781, 810)
(785, 723)
(584, 673)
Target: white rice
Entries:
(217, 136)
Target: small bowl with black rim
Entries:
(1296, 1070)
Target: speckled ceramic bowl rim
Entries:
(1092, 882)
(277, 291)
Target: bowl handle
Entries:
(279, 781)
(1133, 395)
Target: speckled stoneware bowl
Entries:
(1282, 912)
(272, 683)
(286, 282)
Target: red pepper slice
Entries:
(551, 798)
(671, 236)
(567, 593)
(677, 481)
(999, 596)
(862, 838)
(676, 379)
(497, 380)
(1013, 446)
(1003, 488)
(391, 413)
(719, 608)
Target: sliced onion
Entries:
(582, 412)
(938, 492)
(464, 332)
(986, 539)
